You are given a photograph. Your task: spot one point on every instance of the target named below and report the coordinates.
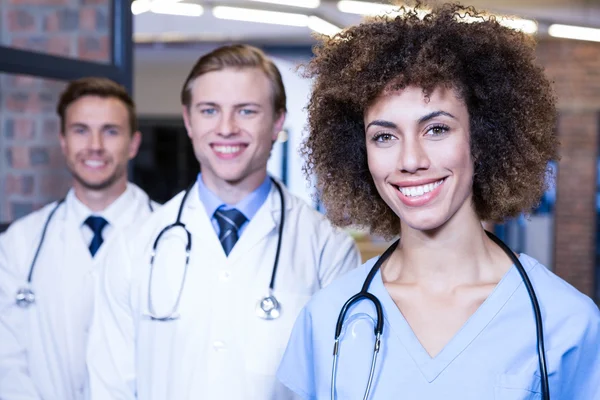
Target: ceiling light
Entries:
(265, 17)
(140, 6)
(171, 8)
(323, 27)
(523, 25)
(294, 3)
(365, 8)
(574, 32)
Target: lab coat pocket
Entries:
(518, 387)
(266, 340)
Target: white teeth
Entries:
(227, 149)
(414, 191)
(94, 163)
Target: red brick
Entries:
(95, 2)
(87, 19)
(57, 159)
(94, 48)
(18, 157)
(21, 102)
(55, 185)
(576, 199)
(62, 20)
(51, 128)
(22, 81)
(60, 46)
(19, 128)
(40, 2)
(19, 184)
(21, 20)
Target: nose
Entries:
(228, 125)
(96, 141)
(413, 156)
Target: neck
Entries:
(457, 253)
(98, 200)
(232, 192)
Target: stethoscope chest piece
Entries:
(25, 297)
(268, 307)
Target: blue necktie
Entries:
(97, 224)
(230, 222)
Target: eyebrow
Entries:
(391, 125)
(435, 114)
(104, 126)
(239, 105)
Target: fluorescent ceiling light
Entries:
(323, 27)
(365, 8)
(519, 24)
(140, 6)
(265, 17)
(172, 8)
(294, 3)
(574, 32)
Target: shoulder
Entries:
(563, 305)
(331, 298)
(30, 223)
(312, 219)
(164, 212)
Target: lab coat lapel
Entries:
(198, 223)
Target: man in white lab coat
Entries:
(167, 330)
(46, 305)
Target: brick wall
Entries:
(574, 67)
(32, 170)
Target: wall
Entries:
(574, 66)
(32, 169)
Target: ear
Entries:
(187, 120)
(278, 126)
(134, 145)
(63, 142)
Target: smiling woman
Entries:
(422, 126)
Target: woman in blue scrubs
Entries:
(421, 127)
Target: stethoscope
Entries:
(25, 295)
(268, 307)
(364, 294)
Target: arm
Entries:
(15, 381)
(339, 254)
(296, 368)
(581, 363)
(111, 346)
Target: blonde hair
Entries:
(237, 56)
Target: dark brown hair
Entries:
(237, 56)
(95, 86)
(511, 106)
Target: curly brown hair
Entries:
(510, 102)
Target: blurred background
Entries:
(150, 46)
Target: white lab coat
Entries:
(43, 347)
(219, 348)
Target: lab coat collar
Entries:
(263, 224)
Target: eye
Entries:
(247, 111)
(79, 130)
(383, 137)
(208, 111)
(112, 132)
(437, 130)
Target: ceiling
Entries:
(160, 28)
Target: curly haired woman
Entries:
(422, 126)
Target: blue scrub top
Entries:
(493, 356)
